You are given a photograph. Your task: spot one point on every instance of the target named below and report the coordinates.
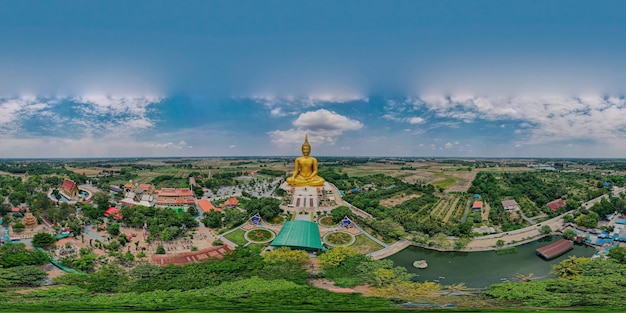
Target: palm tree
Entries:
(567, 268)
(523, 277)
(458, 288)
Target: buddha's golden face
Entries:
(306, 150)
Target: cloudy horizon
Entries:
(362, 78)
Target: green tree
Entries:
(213, 219)
(17, 255)
(545, 229)
(18, 226)
(569, 234)
(109, 278)
(43, 240)
(160, 250)
(334, 256)
(618, 254)
(101, 200)
(340, 212)
(268, 208)
(570, 267)
(113, 229)
(22, 276)
(285, 255)
(193, 211)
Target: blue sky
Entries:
(363, 78)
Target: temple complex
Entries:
(305, 189)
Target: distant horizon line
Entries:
(320, 156)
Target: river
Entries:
(481, 269)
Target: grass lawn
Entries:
(327, 221)
(447, 182)
(258, 246)
(259, 235)
(237, 237)
(364, 244)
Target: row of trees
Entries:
(580, 282)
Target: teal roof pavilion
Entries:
(300, 235)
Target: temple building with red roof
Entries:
(69, 189)
(230, 203)
(113, 212)
(174, 198)
(206, 206)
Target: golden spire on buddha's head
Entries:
(306, 147)
(306, 140)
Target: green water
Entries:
(481, 269)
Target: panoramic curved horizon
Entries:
(363, 78)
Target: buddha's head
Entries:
(306, 147)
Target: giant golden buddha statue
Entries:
(305, 171)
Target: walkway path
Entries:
(370, 236)
(89, 232)
(389, 250)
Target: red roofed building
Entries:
(147, 188)
(556, 204)
(478, 206)
(230, 203)
(510, 205)
(69, 189)
(113, 211)
(206, 206)
(174, 198)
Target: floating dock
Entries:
(555, 249)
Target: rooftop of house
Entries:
(174, 192)
(506, 203)
(556, 204)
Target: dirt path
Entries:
(330, 286)
(485, 214)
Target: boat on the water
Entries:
(420, 264)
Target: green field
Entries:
(237, 237)
(364, 244)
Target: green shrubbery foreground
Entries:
(245, 294)
(277, 281)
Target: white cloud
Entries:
(416, 120)
(171, 145)
(104, 104)
(448, 145)
(324, 120)
(280, 106)
(14, 111)
(117, 114)
(277, 112)
(321, 125)
(542, 119)
(232, 146)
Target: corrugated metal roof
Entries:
(299, 234)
